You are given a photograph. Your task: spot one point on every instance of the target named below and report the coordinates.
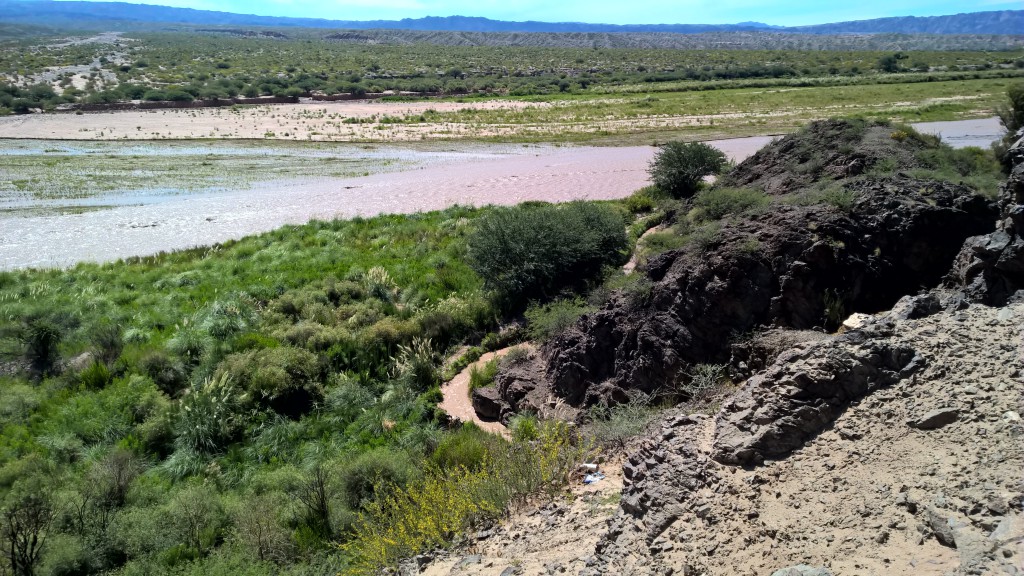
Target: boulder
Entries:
(488, 404)
(935, 419)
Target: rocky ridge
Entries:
(895, 448)
(794, 266)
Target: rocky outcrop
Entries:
(990, 268)
(799, 267)
(826, 150)
(802, 393)
(895, 449)
(752, 355)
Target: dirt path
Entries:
(456, 401)
(628, 267)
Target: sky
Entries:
(788, 13)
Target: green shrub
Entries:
(701, 381)
(467, 447)
(1011, 112)
(429, 511)
(840, 198)
(716, 203)
(368, 472)
(285, 378)
(679, 167)
(378, 284)
(482, 376)
(96, 376)
(166, 372)
(524, 428)
(545, 321)
(417, 364)
(38, 340)
(533, 251)
(704, 237)
(190, 343)
(643, 200)
(210, 416)
(658, 242)
(613, 426)
(346, 399)
(108, 339)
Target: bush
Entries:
(1011, 113)
(679, 167)
(702, 381)
(417, 364)
(532, 251)
(468, 447)
(109, 342)
(210, 416)
(1011, 116)
(370, 471)
(429, 511)
(548, 320)
(524, 428)
(613, 426)
(718, 203)
(168, 374)
(38, 341)
(96, 376)
(642, 201)
(482, 377)
(285, 378)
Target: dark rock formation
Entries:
(802, 393)
(990, 268)
(813, 265)
(752, 355)
(826, 150)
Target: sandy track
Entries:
(457, 403)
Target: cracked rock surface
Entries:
(846, 481)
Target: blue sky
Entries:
(794, 12)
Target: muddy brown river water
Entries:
(478, 176)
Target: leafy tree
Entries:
(679, 167)
(1011, 115)
(890, 63)
(1011, 112)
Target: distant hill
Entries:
(1000, 22)
(730, 40)
(120, 15)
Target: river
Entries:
(427, 179)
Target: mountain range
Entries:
(120, 15)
